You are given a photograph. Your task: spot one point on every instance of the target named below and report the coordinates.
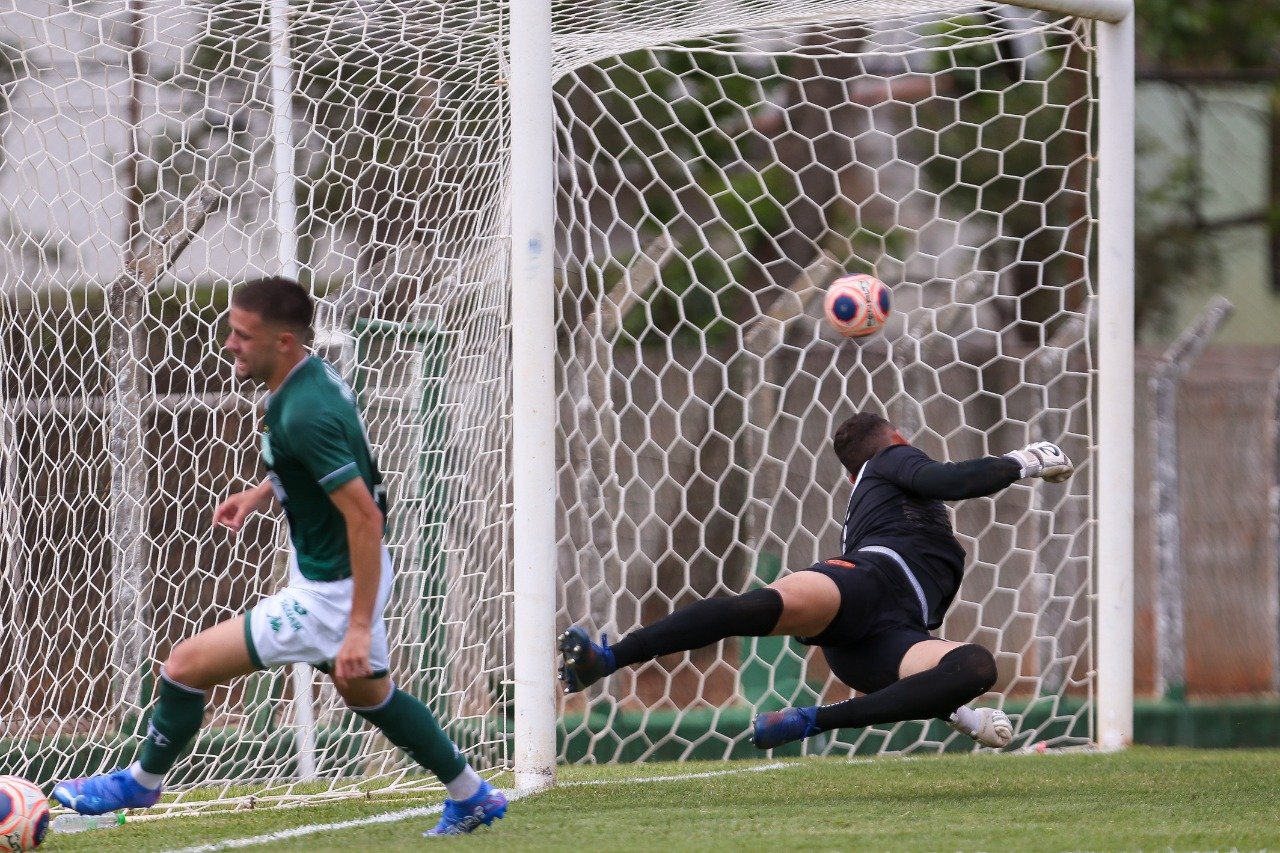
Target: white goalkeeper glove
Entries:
(1045, 460)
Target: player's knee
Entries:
(975, 664)
(758, 610)
(363, 694)
(182, 666)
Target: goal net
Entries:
(717, 163)
(717, 167)
(359, 147)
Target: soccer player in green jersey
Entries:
(321, 470)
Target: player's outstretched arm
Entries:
(953, 481)
(973, 478)
(1045, 460)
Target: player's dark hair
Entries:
(280, 301)
(859, 438)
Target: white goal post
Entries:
(534, 345)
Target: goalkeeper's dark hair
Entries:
(859, 438)
(279, 301)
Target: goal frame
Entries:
(533, 343)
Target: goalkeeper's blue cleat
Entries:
(463, 816)
(775, 728)
(107, 793)
(585, 662)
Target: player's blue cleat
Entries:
(775, 728)
(585, 662)
(481, 809)
(107, 793)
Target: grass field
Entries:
(1142, 799)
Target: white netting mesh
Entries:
(122, 428)
(717, 162)
(708, 188)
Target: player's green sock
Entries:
(411, 726)
(177, 716)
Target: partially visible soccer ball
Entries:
(24, 814)
(857, 305)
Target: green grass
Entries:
(1143, 799)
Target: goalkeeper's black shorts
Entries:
(880, 617)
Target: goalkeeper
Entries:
(321, 469)
(869, 610)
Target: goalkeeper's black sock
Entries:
(964, 673)
(177, 716)
(752, 614)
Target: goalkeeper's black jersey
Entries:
(897, 505)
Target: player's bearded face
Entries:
(252, 345)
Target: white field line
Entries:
(759, 768)
(427, 811)
(310, 829)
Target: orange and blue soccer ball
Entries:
(24, 814)
(857, 305)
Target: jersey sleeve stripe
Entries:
(324, 481)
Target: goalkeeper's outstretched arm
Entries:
(975, 478)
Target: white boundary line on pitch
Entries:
(427, 811)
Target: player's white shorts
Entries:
(306, 621)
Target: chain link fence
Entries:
(1228, 417)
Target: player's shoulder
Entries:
(897, 461)
(313, 396)
(896, 454)
(318, 384)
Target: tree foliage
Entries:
(1194, 43)
(1209, 35)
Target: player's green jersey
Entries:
(313, 441)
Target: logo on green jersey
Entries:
(266, 448)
